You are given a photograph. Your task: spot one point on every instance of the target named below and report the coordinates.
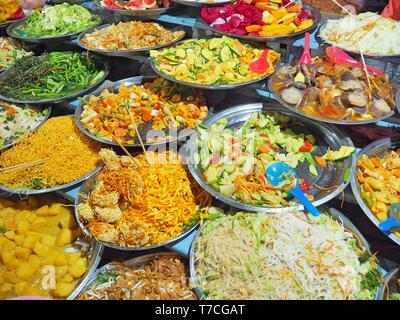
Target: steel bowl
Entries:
(136, 13)
(203, 3)
(99, 61)
(208, 86)
(91, 249)
(12, 32)
(125, 53)
(293, 36)
(335, 214)
(85, 189)
(394, 57)
(132, 263)
(178, 134)
(11, 142)
(326, 136)
(392, 284)
(327, 120)
(5, 24)
(378, 149)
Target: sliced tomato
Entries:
(306, 147)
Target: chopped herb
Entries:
(3, 229)
(106, 277)
(37, 184)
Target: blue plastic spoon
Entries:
(394, 220)
(278, 172)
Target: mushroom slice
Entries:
(380, 108)
(354, 99)
(292, 96)
(351, 85)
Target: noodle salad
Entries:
(282, 256)
(368, 31)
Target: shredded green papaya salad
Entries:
(235, 160)
(58, 20)
(282, 256)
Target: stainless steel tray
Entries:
(326, 136)
(377, 148)
(296, 35)
(132, 263)
(11, 142)
(44, 39)
(208, 86)
(322, 41)
(5, 24)
(391, 280)
(335, 214)
(85, 189)
(100, 62)
(327, 120)
(178, 134)
(137, 13)
(202, 3)
(125, 53)
(93, 252)
(29, 192)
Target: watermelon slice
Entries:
(149, 3)
(165, 3)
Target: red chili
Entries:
(305, 185)
(158, 106)
(306, 147)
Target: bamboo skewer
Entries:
(338, 4)
(365, 67)
(24, 165)
(121, 146)
(137, 132)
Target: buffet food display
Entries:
(49, 76)
(333, 92)
(369, 32)
(171, 161)
(130, 36)
(259, 18)
(58, 20)
(280, 257)
(216, 61)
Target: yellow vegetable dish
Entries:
(37, 257)
(379, 179)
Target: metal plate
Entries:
(132, 263)
(5, 24)
(44, 39)
(205, 3)
(322, 41)
(296, 35)
(326, 136)
(100, 63)
(207, 86)
(335, 214)
(29, 192)
(391, 278)
(327, 120)
(124, 53)
(11, 142)
(92, 250)
(178, 134)
(85, 189)
(379, 149)
(137, 13)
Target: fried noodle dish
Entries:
(130, 35)
(165, 278)
(140, 202)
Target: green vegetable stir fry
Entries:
(58, 20)
(282, 256)
(50, 75)
(235, 160)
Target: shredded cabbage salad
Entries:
(376, 34)
(58, 20)
(282, 256)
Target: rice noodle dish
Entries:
(375, 34)
(283, 256)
